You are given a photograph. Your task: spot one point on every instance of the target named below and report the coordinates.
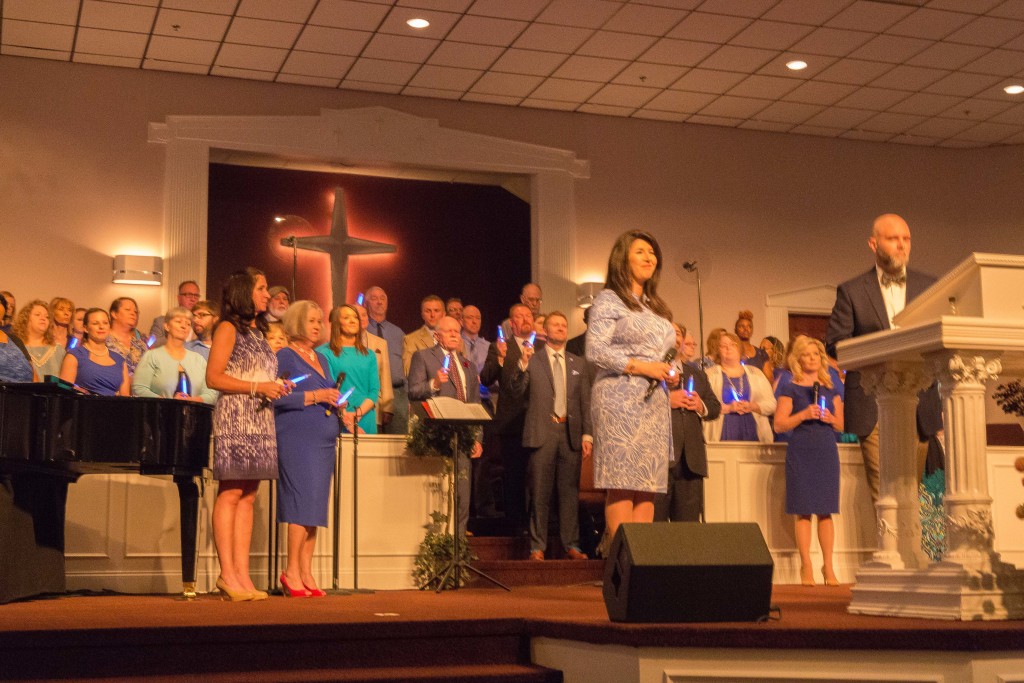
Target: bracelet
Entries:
(314, 396)
(252, 390)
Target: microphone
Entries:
(337, 386)
(690, 266)
(815, 390)
(653, 384)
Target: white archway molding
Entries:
(813, 300)
(374, 137)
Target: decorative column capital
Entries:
(960, 368)
(896, 378)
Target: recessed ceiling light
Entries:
(1014, 89)
(796, 65)
(418, 23)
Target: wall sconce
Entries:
(138, 270)
(585, 293)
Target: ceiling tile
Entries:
(962, 84)
(486, 30)
(810, 12)
(653, 115)
(891, 123)
(401, 48)
(316, 64)
(976, 110)
(974, 6)
(465, 55)
(523, 10)
(674, 4)
(516, 85)
(767, 87)
(705, 80)
(771, 35)
(552, 38)
(705, 120)
(1015, 44)
(48, 11)
(998, 62)
(650, 75)
(908, 78)
(445, 77)
(299, 79)
(734, 58)
(440, 23)
(1014, 116)
(508, 100)
(645, 20)
(531, 62)
(864, 15)
(866, 135)
(381, 71)
(713, 28)
(989, 31)
(605, 110)
(235, 72)
(565, 91)
(106, 60)
(739, 8)
(840, 117)
(211, 6)
(198, 25)
(582, 13)
(262, 33)
(947, 55)
(615, 45)
(815, 65)
(940, 128)
(925, 104)
(590, 68)
(436, 93)
(35, 34)
(678, 52)
(181, 67)
(337, 41)
(988, 132)
(773, 126)
(96, 41)
(908, 139)
(929, 23)
(788, 112)
(831, 41)
(557, 105)
(439, 5)
(370, 87)
(348, 14)
(855, 71)
(738, 107)
(878, 99)
(1011, 9)
(623, 95)
(820, 131)
(15, 51)
(117, 16)
(816, 92)
(1014, 139)
(681, 102)
(894, 49)
(294, 10)
(252, 57)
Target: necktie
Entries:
(453, 375)
(888, 279)
(380, 330)
(559, 386)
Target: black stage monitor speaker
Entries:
(687, 572)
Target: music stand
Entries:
(456, 565)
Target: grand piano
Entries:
(50, 435)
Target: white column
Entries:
(896, 385)
(185, 216)
(969, 533)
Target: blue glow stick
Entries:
(735, 396)
(344, 397)
(501, 334)
(74, 343)
(447, 362)
(532, 339)
(183, 386)
(151, 341)
(821, 404)
(359, 299)
(689, 385)
(298, 379)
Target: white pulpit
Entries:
(962, 331)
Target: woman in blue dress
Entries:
(91, 365)
(15, 365)
(347, 353)
(746, 395)
(307, 433)
(628, 335)
(812, 407)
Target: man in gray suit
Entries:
(557, 428)
(868, 303)
(428, 378)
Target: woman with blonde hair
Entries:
(32, 326)
(810, 406)
(171, 370)
(62, 314)
(746, 396)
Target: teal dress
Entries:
(360, 376)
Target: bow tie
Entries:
(888, 279)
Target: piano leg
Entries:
(31, 534)
(188, 501)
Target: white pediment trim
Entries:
(814, 300)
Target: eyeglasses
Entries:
(534, 299)
(189, 295)
(202, 315)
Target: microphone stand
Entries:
(336, 588)
(355, 507)
(692, 267)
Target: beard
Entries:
(891, 263)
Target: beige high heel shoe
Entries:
(806, 576)
(230, 595)
(829, 581)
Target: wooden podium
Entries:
(964, 330)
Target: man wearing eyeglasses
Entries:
(188, 296)
(204, 318)
(531, 297)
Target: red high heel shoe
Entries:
(315, 592)
(290, 592)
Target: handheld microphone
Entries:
(690, 266)
(337, 386)
(815, 390)
(653, 384)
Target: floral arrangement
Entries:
(1010, 398)
(431, 438)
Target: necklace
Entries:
(737, 391)
(308, 354)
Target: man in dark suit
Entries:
(868, 303)
(684, 499)
(557, 430)
(578, 344)
(428, 378)
(509, 416)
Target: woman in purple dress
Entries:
(746, 395)
(307, 433)
(91, 365)
(244, 370)
(812, 407)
